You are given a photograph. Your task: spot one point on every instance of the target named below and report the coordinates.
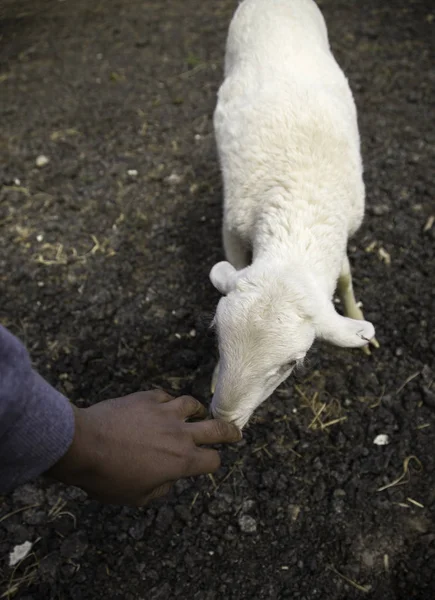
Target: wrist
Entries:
(79, 462)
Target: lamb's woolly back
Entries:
(288, 142)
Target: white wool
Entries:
(288, 142)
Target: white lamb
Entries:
(288, 142)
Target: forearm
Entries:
(36, 421)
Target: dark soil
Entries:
(104, 275)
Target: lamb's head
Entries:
(263, 333)
(266, 322)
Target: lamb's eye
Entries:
(289, 365)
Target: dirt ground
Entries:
(104, 260)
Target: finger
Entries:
(188, 407)
(214, 432)
(159, 396)
(163, 397)
(204, 461)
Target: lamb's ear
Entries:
(344, 332)
(223, 276)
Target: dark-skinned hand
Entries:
(130, 450)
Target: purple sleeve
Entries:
(36, 421)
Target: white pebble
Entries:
(192, 333)
(381, 440)
(17, 181)
(173, 179)
(132, 173)
(41, 161)
(19, 553)
(39, 237)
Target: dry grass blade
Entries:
(399, 480)
(264, 449)
(325, 414)
(362, 588)
(408, 380)
(56, 508)
(195, 498)
(429, 223)
(333, 422)
(415, 503)
(230, 472)
(213, 480)
(317, 416)
(19, 510)
(27, 578)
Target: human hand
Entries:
(130, 450)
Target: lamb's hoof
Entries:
(214, 379)
(366, 349)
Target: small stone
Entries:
(218, 507)
(380, 209)
(247, 524)
(74, 546)
(42, 161)
(173, 179)
(137, 530)
(19, 553)
(164, 518)
(381, 440)
(132, 173)
(28, 495)
(248, 505)
(39, 238)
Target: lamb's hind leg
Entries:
(347, 297)
(237, 254)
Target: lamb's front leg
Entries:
(347, 297)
